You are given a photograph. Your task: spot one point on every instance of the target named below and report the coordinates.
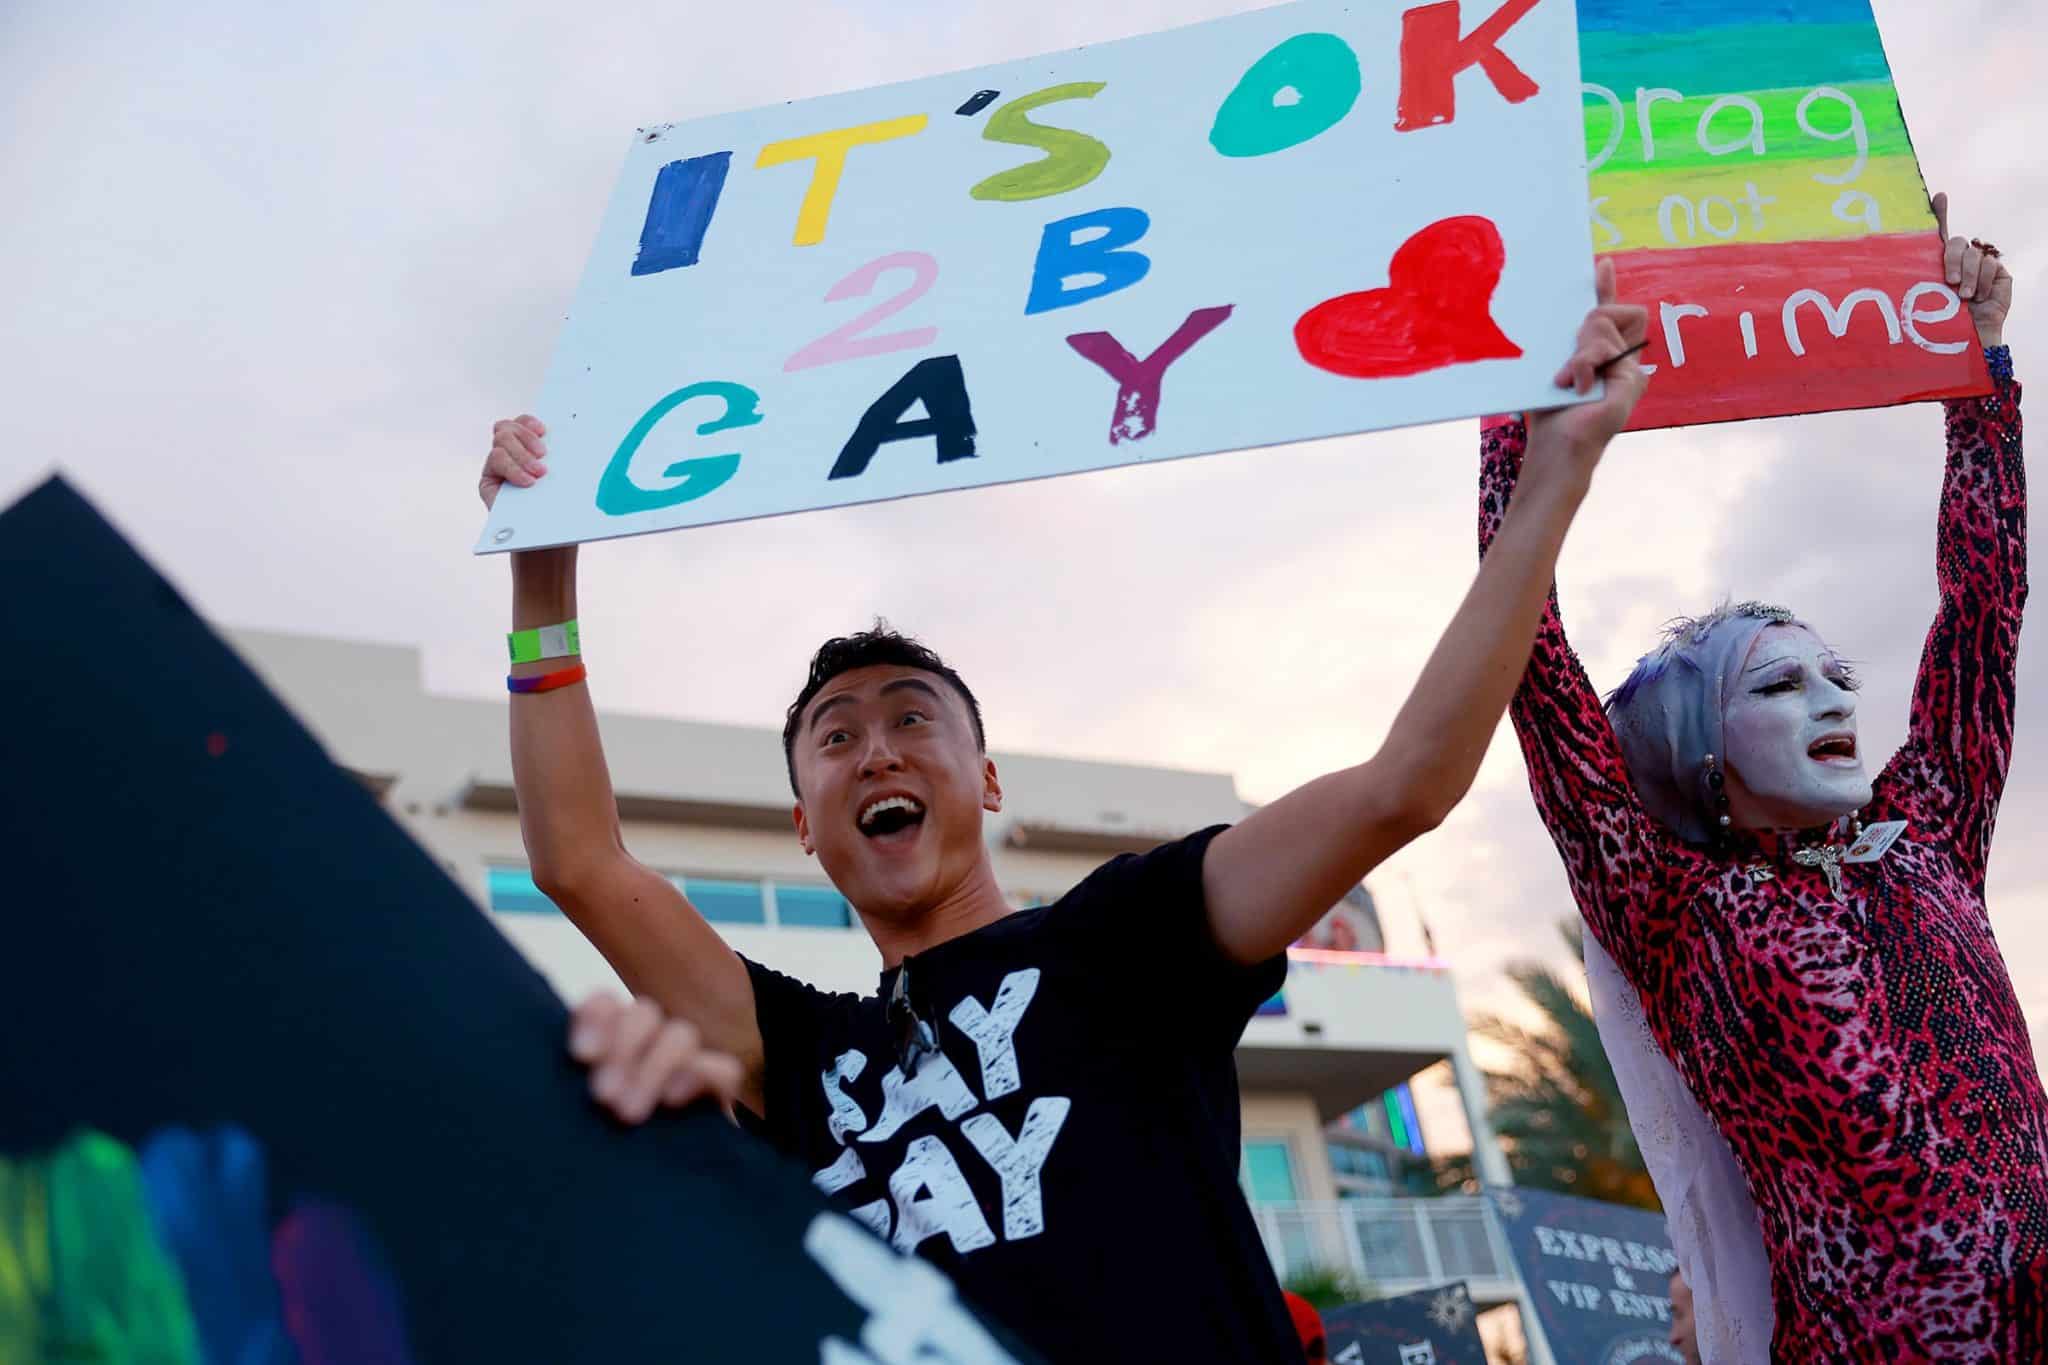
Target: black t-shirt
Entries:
(1070, 1155)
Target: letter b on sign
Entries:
(1062, 258)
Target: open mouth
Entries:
(1834, 749)
(887, 815)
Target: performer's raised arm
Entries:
(1268, 879)
(1952, 769)
(640, 920)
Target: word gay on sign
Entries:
(1755, 184)
(1321, 218)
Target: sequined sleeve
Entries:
(1628, 874)
(1948, 776)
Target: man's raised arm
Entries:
(1269, 878)
(643, 924)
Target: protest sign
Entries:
(1600, 1275)
(1434, 1327)
(276, 1091)
(1754, 182)
(1320, 218)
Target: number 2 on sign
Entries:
(847, 343)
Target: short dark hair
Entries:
(879, 644)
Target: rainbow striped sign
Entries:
(1753, 180)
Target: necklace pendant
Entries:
(1828, 860)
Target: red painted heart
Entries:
(1435, 311)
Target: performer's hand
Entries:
(519, 451)
(639, 1059)
(1978, 273)
(1575, 437)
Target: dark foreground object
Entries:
(236, 996)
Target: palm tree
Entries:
(1558, 1113)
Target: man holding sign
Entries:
(1013, 1098)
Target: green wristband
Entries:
(544, 642)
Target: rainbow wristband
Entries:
(548, 682)
(546, 642)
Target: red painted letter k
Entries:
(1432, 55)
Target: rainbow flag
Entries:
(1754, 182)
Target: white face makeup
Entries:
(1794, 759)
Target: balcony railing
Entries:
(1395, 1246)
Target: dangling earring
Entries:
(1855, 824)
(1720, 789)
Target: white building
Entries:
(1322, 1075)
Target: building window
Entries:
(512, 891)
(1269, 1171)
(1361, 1162)
(725, 902)
(1369, 1119)
(811, 907)
(1402, 1121)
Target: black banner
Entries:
(275, 1092)
(1435, 1327)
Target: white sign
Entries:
(1300, 222)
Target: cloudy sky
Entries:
(271, 270)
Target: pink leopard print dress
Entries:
(1863, 1055)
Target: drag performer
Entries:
(1820, 1045)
